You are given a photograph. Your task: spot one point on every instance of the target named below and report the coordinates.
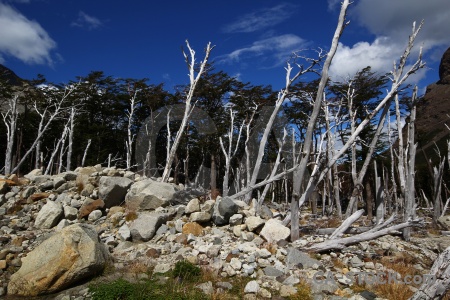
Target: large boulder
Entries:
(273, 231)
(149, 194)
(112, 190)
(146, 225)
(49, 215)
(224, 208)
(73, 254)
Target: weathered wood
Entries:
(350, 230)
(439, 283)
(339, 244)
(346, 224)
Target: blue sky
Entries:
(62, 39)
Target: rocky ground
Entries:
(58, 232)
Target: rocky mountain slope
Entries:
(433, 112)
(58, 232)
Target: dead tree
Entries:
(48, 115)
(398, 77)
(336, 242)
(130, 136)
(10, 120)
(406, 163)
(229, 153)
(438, 279)
(193, 80)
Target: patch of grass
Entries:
(131, 216)
(144, 290)
(303, 291)
(186, 271)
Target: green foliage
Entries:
(143, 290)
(186, 271)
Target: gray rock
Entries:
(254, 223)
(252, 287)
(266, 213)
(28, 191)
(207, 288)
(355, 262)
(112, 190)
(223, 210)
(70, 213)
(271, 271)
(49, 215)
(47, 185)
(124, 233)
(236, 219)
(200, 216)
(192, 206)
(296, 258)
(146, 224)
(73, 254)
(95, 215)
(149, 194)
(33, 174)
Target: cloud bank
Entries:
(261, 19)
(391, 24)
(23, 39)
(86, 21)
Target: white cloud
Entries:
(23, 38)
(86, 21)
(276, 49)
(261, 19)
(391, 23)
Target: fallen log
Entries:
(438, 280)
(341, 243)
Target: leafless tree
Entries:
(193, 80)
(10, 120)
(229, 153)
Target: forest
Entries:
(337, 146)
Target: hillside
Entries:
(433, 113)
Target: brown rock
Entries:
(38, 196)
(153, 253)
(89, 206)
(8, 181)
(17, 241)
(181, 239)
(2, 264)
(193, 228)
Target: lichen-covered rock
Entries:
(149, 194)
(65, 258)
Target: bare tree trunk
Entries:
(85, 152)
(410, 194)
(369, 200)
(229, 154)
(55, 151)
(379, 196)
(437, 178)
(189, 106)
(10, 120)
(130, 135)
(213, 182)
(70, 146)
